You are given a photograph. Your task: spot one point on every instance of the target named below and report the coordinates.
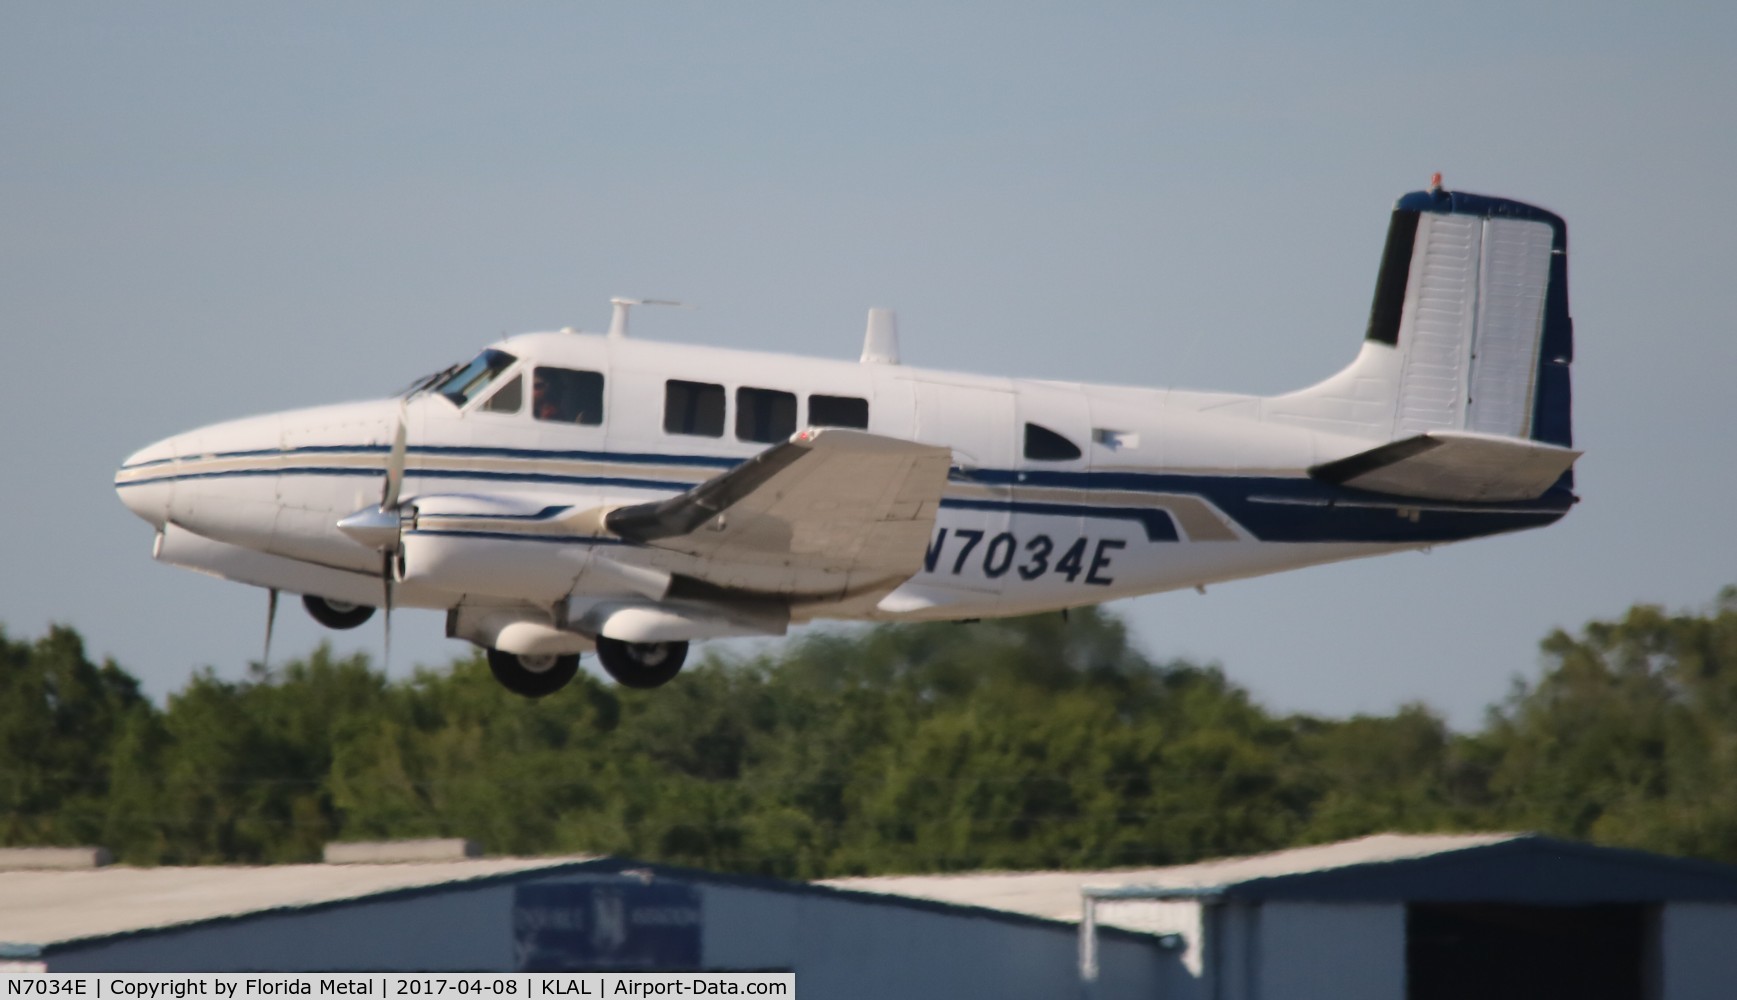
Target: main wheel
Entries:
(641, 664)
(336, 614)
(532, 676)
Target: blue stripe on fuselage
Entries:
(1314, 511)
(1309, 511)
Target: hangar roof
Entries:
(45, 909)
(1487, 867)
(42, 907)
(49, 910)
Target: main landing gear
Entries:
(641, 664)
(633, 664)
(533, 675)
(336, 614)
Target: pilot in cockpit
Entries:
(566, 396)
(545, 397)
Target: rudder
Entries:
(1473, 294)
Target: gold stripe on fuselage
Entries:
(1198, 519)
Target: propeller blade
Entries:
(395, 464)
(381, 528)
(386, 604)
(270, 621)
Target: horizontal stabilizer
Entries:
(1453, 465)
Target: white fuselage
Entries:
(1118, 491)
(566, 492)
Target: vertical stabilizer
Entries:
(1469, 331)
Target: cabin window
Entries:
(693, 408)
(1045, 445)
(468, 382)
(837, 411)
(508, 398)
(567, 396)
(765, 415)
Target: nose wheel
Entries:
(532, 675)
(641, 664)
(336, 614)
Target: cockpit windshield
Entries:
(466, 383)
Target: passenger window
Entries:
(693, 408)
(566, 396)
(838, 411)
(1046, 445)
(765, 415)
(508, 398)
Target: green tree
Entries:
(61, 717)
(1018, 743)
(1406, 772)
(1630, 736)
(239, 771)
(453, 754)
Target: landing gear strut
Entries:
(532, 675)
(336, 614)
(641, 664)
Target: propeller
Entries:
(395, 462)
(270, 623)
(386, 603)
(381, 527)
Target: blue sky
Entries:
(211, 210)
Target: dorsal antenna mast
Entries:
(618, 319)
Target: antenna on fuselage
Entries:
(880, 342)
(618, 319)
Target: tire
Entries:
(641, 664)
(532, 676)
(336, 614)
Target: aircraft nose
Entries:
(144, 483)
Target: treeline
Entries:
(1025, 743)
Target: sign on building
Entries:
(601, 926)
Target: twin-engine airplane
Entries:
(569, 492)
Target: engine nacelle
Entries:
(522, 548)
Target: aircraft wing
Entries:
(831, 510)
